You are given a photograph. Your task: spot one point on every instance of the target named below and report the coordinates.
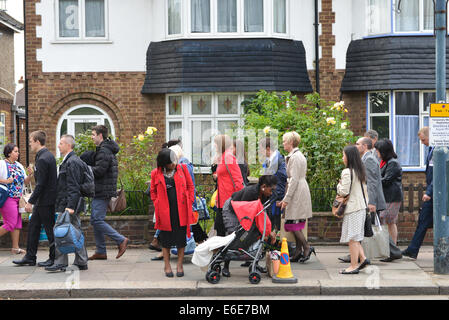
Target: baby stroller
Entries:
(250, 227)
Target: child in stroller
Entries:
(245, 215)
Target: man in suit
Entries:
(425, 220)
(43, 199)
(70, 179)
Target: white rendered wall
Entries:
(125, 50)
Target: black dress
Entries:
(176, 237)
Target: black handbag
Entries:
(368, 228)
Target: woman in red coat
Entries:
(228, 175)
(172, 194)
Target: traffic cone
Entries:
(285, 274)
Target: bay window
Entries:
(226, 17)
(398, 116)
(197, 118)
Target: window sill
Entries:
(82, 42)
(228, 36)
(413, 169)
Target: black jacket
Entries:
(249, 193)
(391, 174)
(44, 193)
(69, 180)
(105, 169)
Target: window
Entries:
(174, 17)
(254, 16)
(81, 119)
(198, 118)
(226, 18)
(81, 19)
(414, 16)
(379, 16)
(399, 115)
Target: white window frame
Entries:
(268, 22)
(392, 121)
(2, 127)
(187, 118)
(71, 119)
(82, 28)
(420, 23)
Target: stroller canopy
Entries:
(248, 211)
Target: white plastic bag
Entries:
(377, 246)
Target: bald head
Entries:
(364, 144)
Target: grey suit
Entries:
(374, 181)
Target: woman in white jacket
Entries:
(353, 182)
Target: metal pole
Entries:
(440, 220)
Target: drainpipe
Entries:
(26, 85)
(317, 50)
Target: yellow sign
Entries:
(439, 110)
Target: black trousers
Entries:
(219, 224)
(42, 215)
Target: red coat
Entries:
(184, 194)
(224, 181)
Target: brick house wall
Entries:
(6, 61)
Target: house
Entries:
(8, 114)
(185, 66)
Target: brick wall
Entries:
(6, 61)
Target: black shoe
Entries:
(81, 267)
(391, 258)
(346, 259)
(25, 262)
(364, 264)
(47, 263)
(304, 259)
(225, 272)
(56, 268)
(157, 258)
(246, 264)
(410, 255)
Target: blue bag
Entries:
(3, 194)
(68, 239)
(189, 249)
(203, 212)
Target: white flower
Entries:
(331, 120)
(266, 129)
(344, 125)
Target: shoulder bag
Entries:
(339, 205)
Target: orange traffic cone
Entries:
(285, 274)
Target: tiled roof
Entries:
(391, 63)
(9, 21)
(226, 65)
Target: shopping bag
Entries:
(285, 234)
(377, 246)
(26, 195)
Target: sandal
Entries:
(17, 251)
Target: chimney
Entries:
(2, 5)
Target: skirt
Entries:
(353, 226)
(390, 214)
(294, 225)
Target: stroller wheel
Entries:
(216, 267)
(212, 277)
(254, 277)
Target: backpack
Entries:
(68, 239)
(87, 187)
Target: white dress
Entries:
(353, 226)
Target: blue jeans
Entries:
(425, 221)
(101, 228)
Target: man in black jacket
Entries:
(105, 169)
(70, 179)
(43, 199)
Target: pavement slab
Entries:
(135, 276)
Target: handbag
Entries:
(203, 212)
(117, 204)
(377, 246)
(339, 204)
(368, 228)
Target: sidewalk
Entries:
(135, 275)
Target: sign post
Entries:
(439, 125)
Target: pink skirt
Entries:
(289, 227)
(11, 218)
